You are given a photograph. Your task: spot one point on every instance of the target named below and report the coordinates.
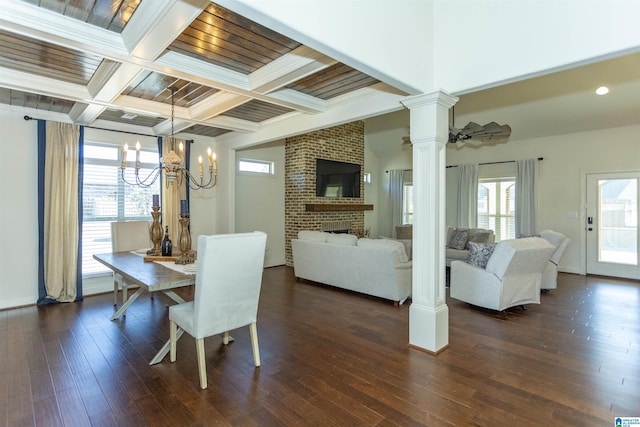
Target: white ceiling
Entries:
(562, 102)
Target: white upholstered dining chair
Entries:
(127, 236)
(228, 281)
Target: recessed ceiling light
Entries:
(602, 90)
(128, 116)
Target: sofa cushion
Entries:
(457, 254)
(342, 239)
(479, 253)
(459, 238)
(393, 246)
(314, 236)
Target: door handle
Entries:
(590, 229)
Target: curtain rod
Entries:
(114, 130)
(494, 163)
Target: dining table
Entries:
(150, 276)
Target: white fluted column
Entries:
(428, 313)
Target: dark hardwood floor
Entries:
(330, 357)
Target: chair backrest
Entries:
(130, 235)
(228, 281)
(519, 256)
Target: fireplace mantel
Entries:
(336, 207)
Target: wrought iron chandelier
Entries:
(172, 165)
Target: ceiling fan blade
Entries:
(471, 128)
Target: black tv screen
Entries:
(337, 179)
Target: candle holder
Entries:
(187, 256)
(155, 232)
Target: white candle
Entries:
(200, 164)
(138, 152)
(213, 156)
(209, 155)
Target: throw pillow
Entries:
(479, 253)
(458, 239)
(479, 237)
(404, 231)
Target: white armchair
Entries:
(512, 276)
(560, 243)
(228, 281)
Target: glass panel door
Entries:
(612, 225)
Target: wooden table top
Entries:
(149, 274)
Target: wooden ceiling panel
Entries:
(111, 15)
(231, 41)
(256, 111)
(34, 101)
(206, 131)
(116, 116)
(333, 81)
(157, 87)
(46, 60)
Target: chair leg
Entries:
(225, 338)
(201, 363)
(173, 329)
(253, 330)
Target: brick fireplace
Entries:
(343, 143)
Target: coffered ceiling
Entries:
(117, 64)
(120, 63)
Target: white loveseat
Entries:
(461, 253)
(512, 276)
(377, 267)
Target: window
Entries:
(255, 166)
(107, 198)
(496, 206)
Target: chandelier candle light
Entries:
(172, 165)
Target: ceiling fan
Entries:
(473, 133)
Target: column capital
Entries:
(439, 97)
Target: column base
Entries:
(429, 328)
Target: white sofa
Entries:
(480, 235)
(377, 267)
(512, 276)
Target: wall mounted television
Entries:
(337, 179)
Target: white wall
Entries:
(18, 211)
(259, 200)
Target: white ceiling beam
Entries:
(85, 114)
(156, 24)
(295, 65)
(217, 104)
